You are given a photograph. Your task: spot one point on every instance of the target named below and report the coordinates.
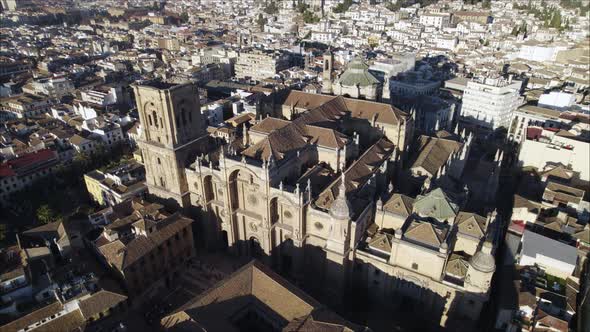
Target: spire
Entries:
(436, 125)
(343, 158)
(497, 156)
(457, 129)
(340, 208)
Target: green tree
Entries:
(261, 21)
(301, 7)
(556, 20)
(486, 4)
(309, 17)
(271, 8)
(184, 17)
(342, 7)
(46, 214)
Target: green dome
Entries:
(357, 73)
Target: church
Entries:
(310, 193)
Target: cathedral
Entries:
(311, 193)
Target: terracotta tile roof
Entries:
(556, 191)
(559, 172)
(318, 125)
(77, 140)
(49, 227)
(311, 324)
(471, 224)
(71, 321)
(381, 241)
(399, 204)
(457, 266)
(434, 152)
(426, 233)
(278, 143)
(326, 137)
(521, 202)
(252, 285)
(269, 124)
(362, 109)
(33, 317)
(300, 99)
(583, 236)
(547, 322)
(21, 164)
(99, 302)
(122, 255)
(357, 174)
(241, 118)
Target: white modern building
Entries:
(557, 100)
(490, 102)
(556, 258)
(560, 147)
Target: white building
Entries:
(102, 95)
(490, 102)
(437, 20)
(54, 87)
(535, 51)
(257, 64)
(557, 100)
(556, 258)
(556, 147)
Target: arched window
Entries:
(155, 118)
(159, 161)
(190, 116)
(183, 117)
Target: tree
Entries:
(271, 8)
(47, 215)
(309, 17)
(184, 17)
(261, 21)
(486, 4)
(556, 20)
(301, 7)
(342, 7)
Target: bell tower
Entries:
(327, 72)
(173, 132)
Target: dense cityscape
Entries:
(294, 165)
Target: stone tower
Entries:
(173, 134)
(337, 247)
(327, 73)
(481, 269)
